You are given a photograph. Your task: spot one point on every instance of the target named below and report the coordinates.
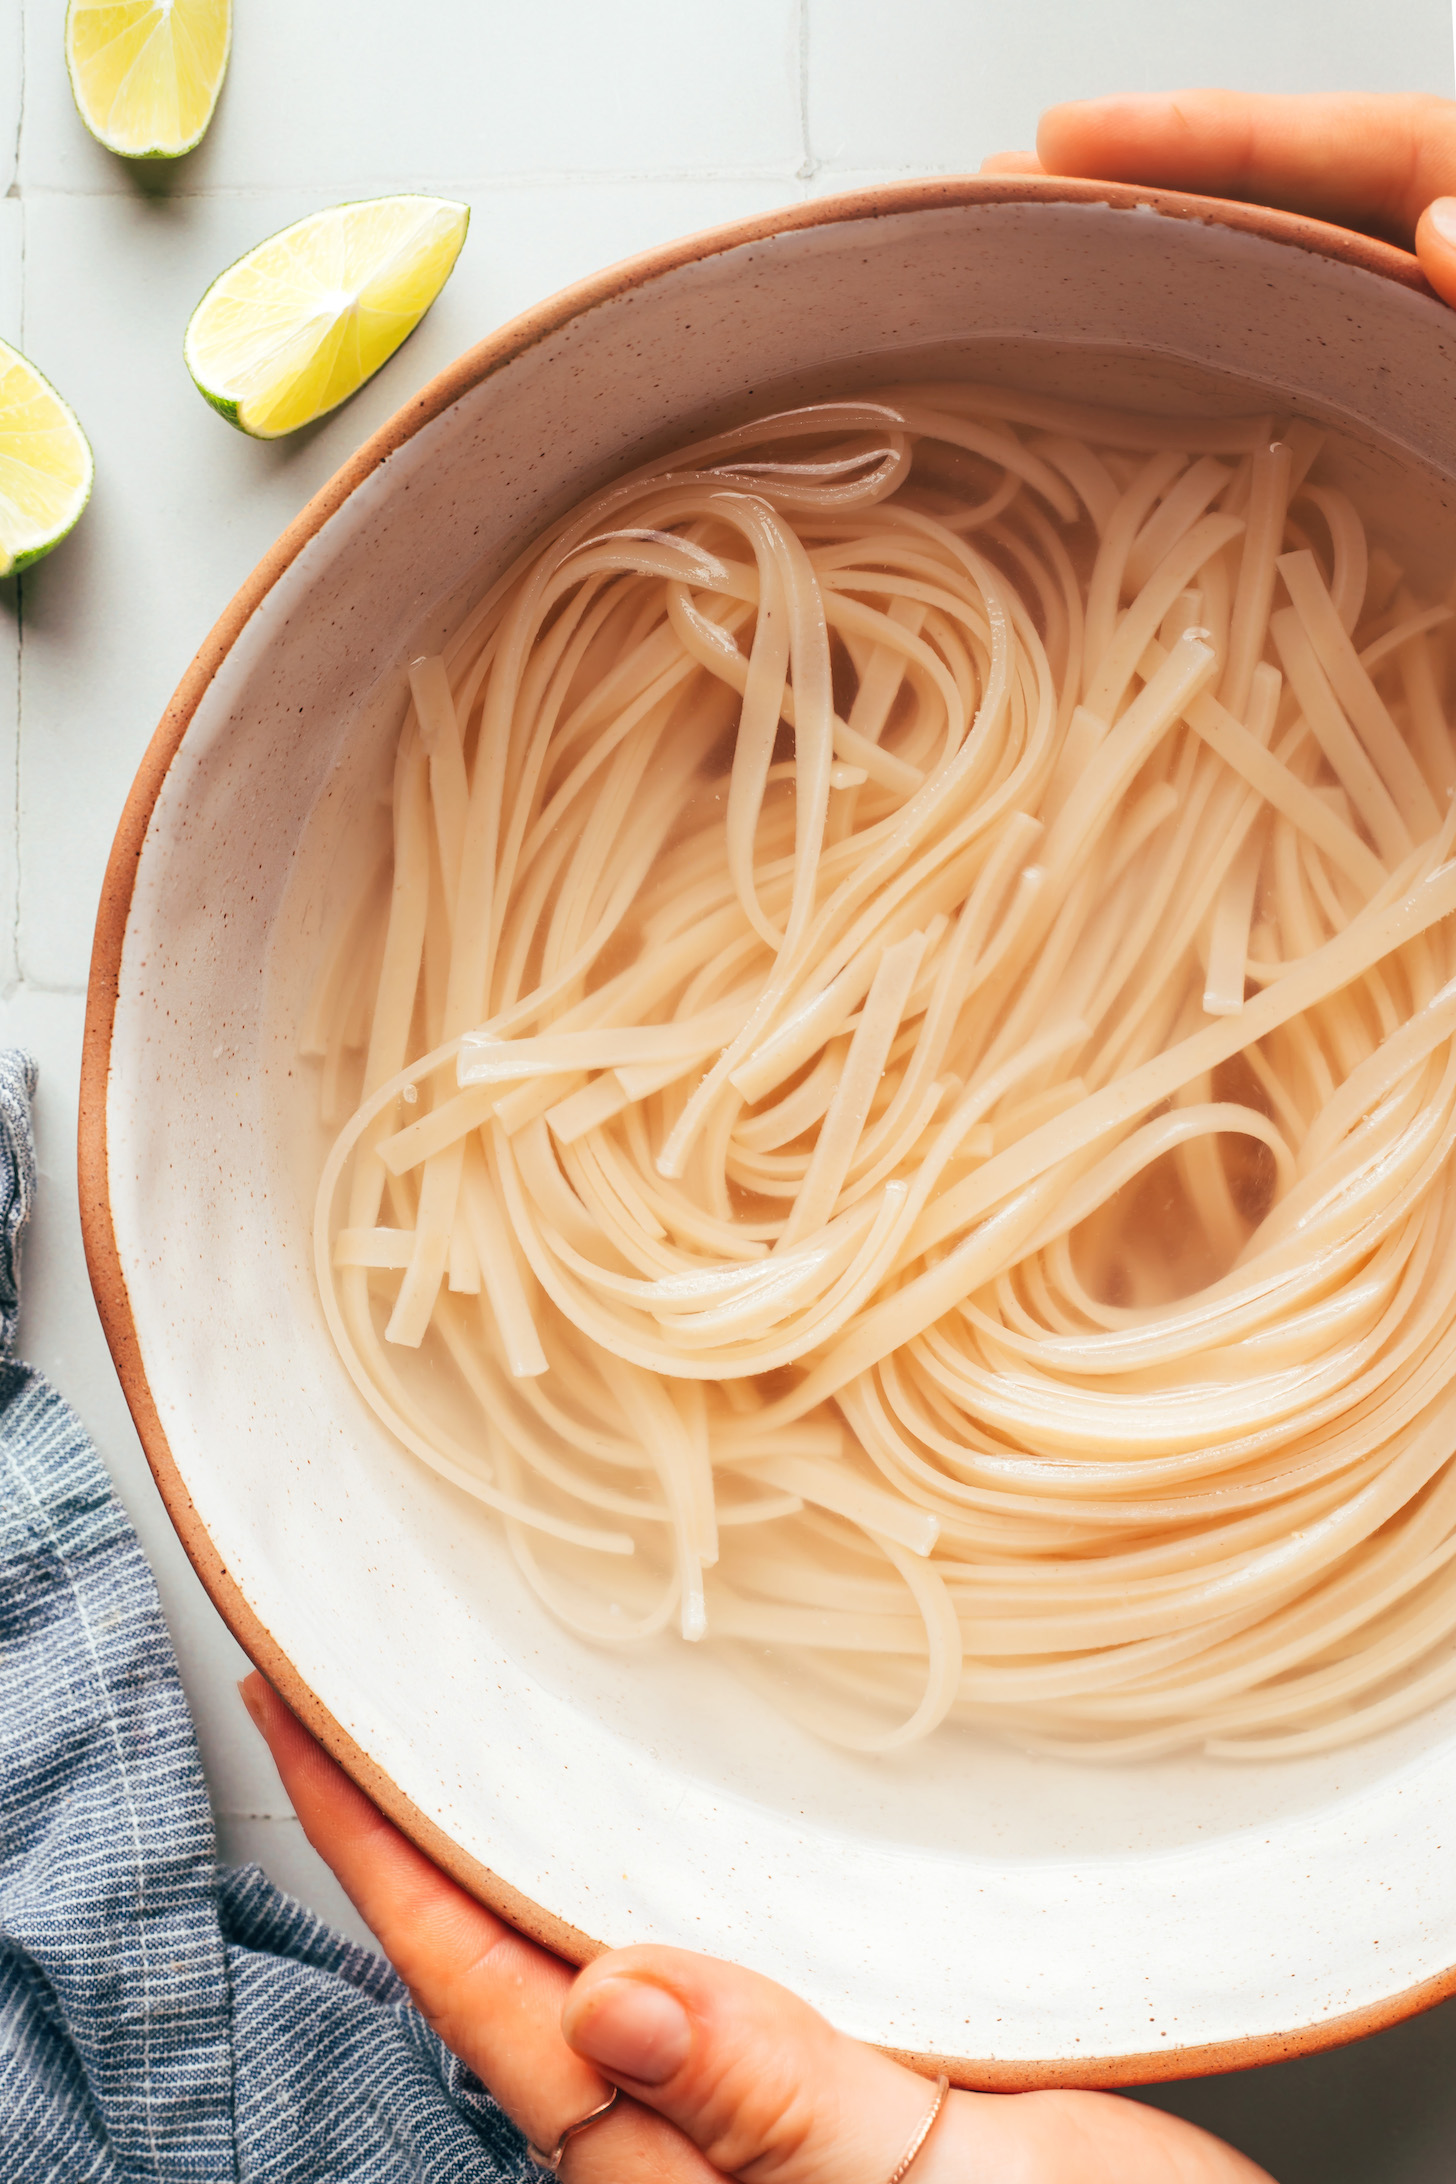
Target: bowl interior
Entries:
(1011, 1909)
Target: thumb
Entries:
(759, 2081)
(1436, 246)
(1012, 163)
(772, 2094)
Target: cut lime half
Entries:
(301, 322)
(146, 73)
(45, 464)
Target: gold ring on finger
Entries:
(551, 2162)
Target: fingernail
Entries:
(630, 2029)
(1442, 216)
(253, 1700)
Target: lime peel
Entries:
(298, 324)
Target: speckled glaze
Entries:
(1026, 1921)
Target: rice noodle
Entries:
(904, 1082)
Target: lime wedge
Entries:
(45, 464)
(146, 73)
(301, 322)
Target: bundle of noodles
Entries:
(904, 1085)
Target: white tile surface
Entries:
(942, 83)
(335, 99)
(579, 132)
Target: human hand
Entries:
(1379, 162)
(724, 2073)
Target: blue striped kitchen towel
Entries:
(160, 2018)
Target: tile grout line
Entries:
(229, 1812)
(14, 190)
(19, 984)
(809, 165)
(20, 586)
(14, 964)
(526, 179)
(518, 179)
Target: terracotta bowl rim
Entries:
(103, 1260)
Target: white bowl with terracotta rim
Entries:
(1029, 1922)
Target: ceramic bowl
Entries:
(1027, 1920)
